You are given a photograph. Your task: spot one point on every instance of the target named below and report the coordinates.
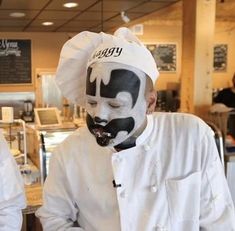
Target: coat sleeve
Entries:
(217, 209)
(58, 212)
(12, 197)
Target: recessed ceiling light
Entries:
(17, 14)
(70, 4)
(47, 23)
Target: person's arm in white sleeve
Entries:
(217, 209)
(12, 197)
(58, 211)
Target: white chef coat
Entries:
(172, 180)
(12, 197)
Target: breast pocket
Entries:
(184, 197)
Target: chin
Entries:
(108, 142)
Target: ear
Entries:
(151, 101)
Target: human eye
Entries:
(92, 103)
(115, 105)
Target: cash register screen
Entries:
(47, 117)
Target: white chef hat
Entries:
(87, 48)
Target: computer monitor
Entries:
(47, 117)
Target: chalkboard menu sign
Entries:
(220, 57)
(15, 61)
(164, 55)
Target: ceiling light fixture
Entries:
(70, 4)
(124, 17)
(47, 23)
(17, 14)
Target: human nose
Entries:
(99, 120)
(101, 114)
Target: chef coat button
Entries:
(146, 147)
(123, 194)
(230, 206)
(118, 159)
(153, 188)
(216, 197)
(160, 228)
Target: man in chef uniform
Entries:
(130, 169)
(12, 198)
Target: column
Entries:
(197, 55)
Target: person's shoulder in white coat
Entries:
(12, 196)
(187, 131)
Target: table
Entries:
(34, 201)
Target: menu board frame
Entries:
(165, 55)
(220, 57)
(15, 62)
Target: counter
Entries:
(34, 198)
(34, 201)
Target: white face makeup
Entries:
(115, 102)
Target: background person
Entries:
(12, 198)
(227, 95)
(130, 168)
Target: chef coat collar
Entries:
(143, 137)
(146, 133)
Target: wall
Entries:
(46, 49)
(45, 53)
(166, 26)
(225, 33)
(155, 32)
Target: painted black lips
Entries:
(104, 134)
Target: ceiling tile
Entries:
(88, 14)
(72, 29)
(56, 15)
(130, 15)
(150, 7)
(108, 25)
(86, 24)
(29, 14)
(38, 23)
(83, 4)
(39, 29)
(111, 24)
(171, 1)
(95, 15)
(13, 23)
(23, 4)
(117, 6)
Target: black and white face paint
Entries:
(115, 102)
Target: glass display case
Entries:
(49, 140)
(41, 143)
(15, 135)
